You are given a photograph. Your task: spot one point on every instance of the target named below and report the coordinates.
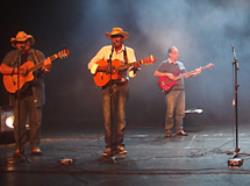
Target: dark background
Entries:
(204, 31)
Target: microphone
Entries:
(110, 59)
(234, 52)
(112, 51)
(235, 61)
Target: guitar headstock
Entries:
(63, 53)
(209, 65)
(148, 60)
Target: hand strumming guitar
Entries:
(172, 76)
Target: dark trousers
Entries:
(114, 113)
(27, 112)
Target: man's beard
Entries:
(23, 49)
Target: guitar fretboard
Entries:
(39, 65)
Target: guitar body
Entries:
(11, 82)
(102, 78)
(166, 84)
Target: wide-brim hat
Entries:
(21, 36)
(116, 31)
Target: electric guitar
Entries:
(16, 82)
(103, 76)
(166, 84)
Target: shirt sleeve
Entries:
(162, 67)
(92, 65)
(9, 58)
(181, 66)
(39, 55)
(131, 55)
(131, 59)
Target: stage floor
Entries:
(198, 159)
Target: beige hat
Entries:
(21, 37)
(117, 31)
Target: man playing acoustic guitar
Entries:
(174, 70)
(114, 92)
(27, 102)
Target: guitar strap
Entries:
(34, 56)
(125, 56)
(36, 60)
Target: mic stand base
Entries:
(235, 162)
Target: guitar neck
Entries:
(126, 66)
(193, 71)
(40, 64)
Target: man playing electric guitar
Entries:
(116, 89)
(27, 102)
(175, 97)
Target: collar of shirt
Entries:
(170, 61)
(121, 50)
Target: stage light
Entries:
(10, 122)
(7, 120)
(6, 126)
(194, 111)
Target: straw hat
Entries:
(117, 31)
(21, 36)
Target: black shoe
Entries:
(181, 133)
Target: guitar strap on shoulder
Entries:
(35, 92)
(125, 56)
(181, 66)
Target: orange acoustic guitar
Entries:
(15, 82)
(102, 77)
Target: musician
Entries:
(28, 101)
(175, 98)
(116, 92)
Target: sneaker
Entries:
(121, 150)
(36, 151)
(168, 134)
(181, 133)
(107, 152)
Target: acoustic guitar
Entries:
(16, 82)
(104, 75)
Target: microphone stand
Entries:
(235, 160)
(235, 104)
